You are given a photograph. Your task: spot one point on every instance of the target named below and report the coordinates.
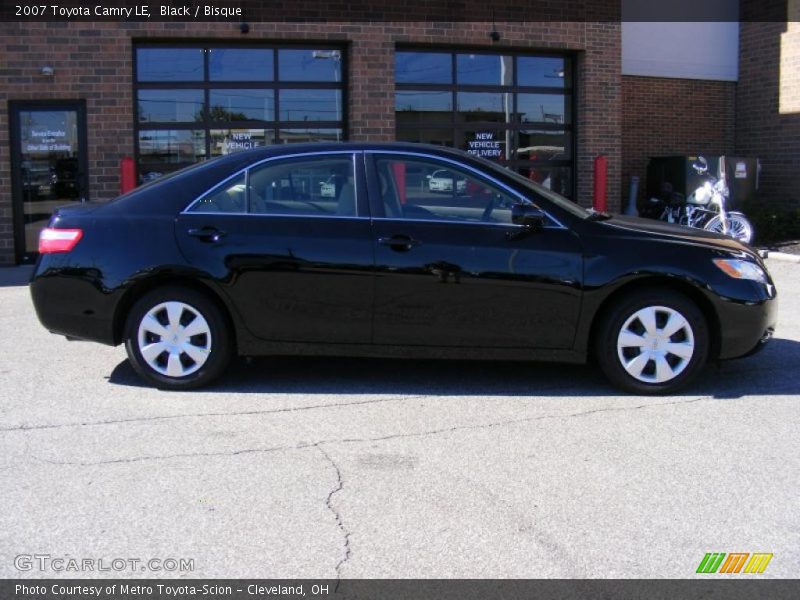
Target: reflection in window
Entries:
(310, 105)
(172, 146)
(542, 145)
(423, 101)
(230, 98)
(310, 65)
(484, 69)
(314, 187)
(303, 135)
(230, 197)
(538, 71)
(423, 67)
(241, 105)
(492, 107)
(543, 108)
(227, 141)
(169, 64)
(240, 64)
(514, 109)
(170, 106)
(557, 179)
(424, 135)
(431, 190)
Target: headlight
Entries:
(741, 269)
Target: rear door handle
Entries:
(207, 234)
(400, 243)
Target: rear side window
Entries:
(313, 186)
(230, 197)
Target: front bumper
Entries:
(746, 327)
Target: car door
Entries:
(289, 241)
(451, 268)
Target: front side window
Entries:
(313, 186)
(421, 188)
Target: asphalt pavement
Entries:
(322, 468)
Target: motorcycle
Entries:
(705, 208)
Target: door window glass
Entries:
(431, 190)
(230, 197)
(318, 186)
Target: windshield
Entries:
(557, 199)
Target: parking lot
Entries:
(307, 467)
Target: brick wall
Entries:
(92, 61)
(667, 117)
(768, 106)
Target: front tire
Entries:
(653, 342)
(177, 339)
(739, 227)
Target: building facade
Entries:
(544, 98)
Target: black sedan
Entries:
(344, 249)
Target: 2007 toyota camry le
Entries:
(347, 249)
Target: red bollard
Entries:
(600, 201)
(399, 170)
(127, 175)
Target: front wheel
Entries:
(653, 342)
(739, 227)
(177, 338)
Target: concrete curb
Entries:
(784, 256)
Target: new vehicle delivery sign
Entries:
(484, 145)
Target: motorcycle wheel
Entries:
(739, 227)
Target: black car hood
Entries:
(678, 233)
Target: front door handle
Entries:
(207, 234)
(400, 243)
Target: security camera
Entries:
(494, 35)
(244, 27)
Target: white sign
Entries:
(484, 145)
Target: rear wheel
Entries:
(177, 339)
(653, 342)
(739, 227)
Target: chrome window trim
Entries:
(281, 215)
(246, 171)
(512, 191)
(449, 222)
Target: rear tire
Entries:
(653, 342)
(177, 338)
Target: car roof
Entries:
(255, 154)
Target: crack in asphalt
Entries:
(339, 521)
(211, 414)
(431, 432)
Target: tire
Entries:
(642, 363)
(200, 346)
(739, 227)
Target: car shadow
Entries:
(771, 372)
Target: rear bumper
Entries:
(73, 307)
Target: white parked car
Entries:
(442, 181)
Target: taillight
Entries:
(58, 240)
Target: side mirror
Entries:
(527, 216)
